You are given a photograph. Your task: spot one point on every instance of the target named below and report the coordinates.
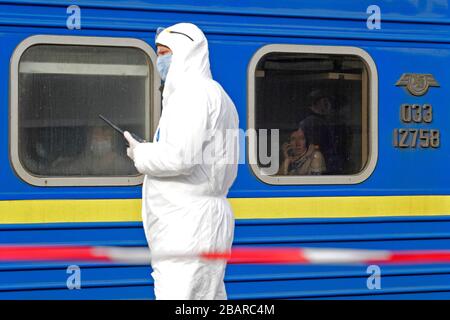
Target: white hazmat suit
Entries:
(184, 205)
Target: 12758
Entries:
(414, 138)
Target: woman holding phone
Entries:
(301, 157)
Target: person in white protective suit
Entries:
(184, 205)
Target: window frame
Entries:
(372, 113)
(153, 109)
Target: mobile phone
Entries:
(120, 130)
(290, 152)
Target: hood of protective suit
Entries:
(190, 55)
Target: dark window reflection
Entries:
(62, 89)
(323, 99)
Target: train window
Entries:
(59, 87)
(313, 110)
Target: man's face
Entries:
(322, 106)
(162, 50)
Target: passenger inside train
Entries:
(300, 156)
(101, 154)
(325, 96)
(325, 129)
(63, 89)
(95, 152)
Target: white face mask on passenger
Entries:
(101, 147)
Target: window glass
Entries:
(318, 102)
(61, 91)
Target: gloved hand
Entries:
(132, 144)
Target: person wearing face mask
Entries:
(184, 205)
(100, 156)
(163, 63)
(300, 157)
(93, 153)
(101, 144)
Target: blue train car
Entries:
(379, 72)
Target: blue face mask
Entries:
(163, 64)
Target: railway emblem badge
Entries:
(416, 83)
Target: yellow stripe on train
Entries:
(116, 210)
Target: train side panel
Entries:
(404, 204)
